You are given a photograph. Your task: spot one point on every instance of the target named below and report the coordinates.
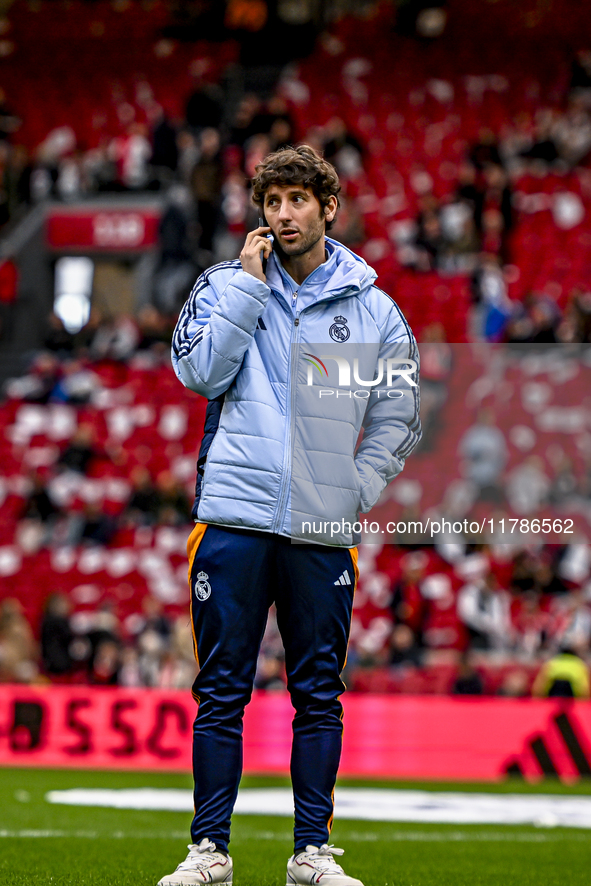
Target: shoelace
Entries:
(324, 860)
(200, 857)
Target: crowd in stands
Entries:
(470, 196)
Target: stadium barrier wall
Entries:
(433, 737)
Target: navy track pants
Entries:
(235, 576)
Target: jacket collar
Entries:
(343, 273)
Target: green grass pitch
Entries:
(58, 845)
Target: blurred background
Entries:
(461, 131)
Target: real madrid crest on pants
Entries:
(202, 587)
(339, 331)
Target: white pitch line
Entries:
(396, 836)
(369, 804)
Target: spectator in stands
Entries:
(96, 527)
(486, 611)
(430, 245)
(155, 332)
(165, 152)
(78, 384)
(104, 628)
(576, 323)
(38, 518)
(154, 619)
(580, 83)
(536, 320)
(492, 307)
(565, 675)
(9, 121)
(527, 486)
(206, 186)
(132, 153)
(36, 386)
(436, 365)
(114, 338)
(542, 151)
(468, 681)
(342, 149)
(57, 636)
(546, 578)
(57, 338)
(484, 455)
(174, 506)
(143, 505)
(39, 505)
(18, 650)
(563, 483)
(106, 663)
(404, 648)
(176, 266)
(204, 107)
(408, 606)
(80, 451)
(515, 684)
(573, 630)
(531, 624)
(573, 132)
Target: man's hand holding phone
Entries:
(255, 252)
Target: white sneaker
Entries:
(317, 865)
(203, 864)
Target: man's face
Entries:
(295, 217)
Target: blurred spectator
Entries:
(484, 454)
(77, 384)
(36, 386)
(131, 154)
(174, 506)
(39, 505)
(436, 365)
(404, 649)
(527, 486)
(113, 338)
(143, 505)
(18, 650)
(204, 107)
(342, 149)
(515, 684)
(493, 309)
(106, 663)
(565, 675)
(80, 451)
(531, 624)
(57, 338)
(407, 603)
(535, 320)
(485, 610)
(468, 681)
(57, 636)
(206, 187)
(95, 527)
(165, 152)
(430, 244)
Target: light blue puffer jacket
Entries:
(285, 456)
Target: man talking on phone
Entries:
(271, 340)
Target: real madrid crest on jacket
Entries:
(242, 344)
(339, 330)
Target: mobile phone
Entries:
(263, 224)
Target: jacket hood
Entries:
(343, 271)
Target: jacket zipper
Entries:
(287, 446)
(290, 398)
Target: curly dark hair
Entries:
(297, 166)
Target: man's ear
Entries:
(331, 208)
